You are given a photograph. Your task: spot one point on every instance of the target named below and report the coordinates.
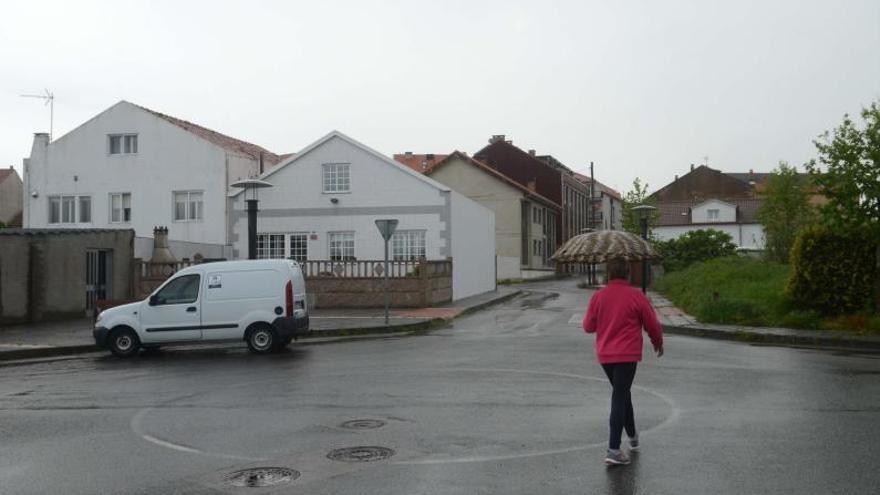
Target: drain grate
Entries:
(360, 454)
(363, 424)
(262, 476)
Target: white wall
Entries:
(168, 159)
(473, 247)
(746, 236)
(726, 212)
(379, 189)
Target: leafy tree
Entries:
(630, 218)
(693, 246)
(785, 211)
(848, 172)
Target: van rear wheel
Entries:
(261, 339)
(124, 342)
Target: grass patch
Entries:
(747, 291)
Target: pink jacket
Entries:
(617, 314)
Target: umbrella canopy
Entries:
(604, 245)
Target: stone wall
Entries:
(43, 272)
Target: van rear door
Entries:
(234, 296)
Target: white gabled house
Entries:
(325, 200)
(133, 168)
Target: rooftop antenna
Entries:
(49, 100)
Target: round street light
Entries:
(644, 212)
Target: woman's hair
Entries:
(618, 269)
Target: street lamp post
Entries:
(644, 212)
(250, 187)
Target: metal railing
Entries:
(375, 268)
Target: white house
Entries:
(325, 200)
(733, 216)
(131, 167)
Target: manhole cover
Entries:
(363, 424)
(262, 476)
(360, 454)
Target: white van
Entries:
(262, 302)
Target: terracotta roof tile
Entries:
(226, 142)
(421, 163)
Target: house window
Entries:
(187, 206)
(299, 247)
(712, 215)
(408, 245)
(126, 144)
(85, 209)
(120, 208)
(341, 245)
(54, 209)
(68, 209)
(270, 246)
(336, 178)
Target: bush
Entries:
(697, 245)
(833, 272)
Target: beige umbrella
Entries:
(604, 245)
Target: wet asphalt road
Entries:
(509, 400)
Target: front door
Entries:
(98, 276)
(172, 313)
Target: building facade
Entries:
(133, 168)
(10, 196)
(705, 198)
(524, 220)
(324, 202)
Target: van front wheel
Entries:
(261, 339)
(124, 342)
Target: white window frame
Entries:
(272, 250)
(79, 209)
(336, 178)
(54, 207)
(339, 241)
(128, 144)
(68, 208)
(408, 245)
(713, 214)
(121, 196)
(188, 215)
(305, 247)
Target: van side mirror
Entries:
(154, 300)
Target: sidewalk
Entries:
(75, 336)
(676, 321)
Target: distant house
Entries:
(522, 231)
(10, 197)
(607, 205)
(706, 198)
(325, 200)
(130, 167)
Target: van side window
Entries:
(181, 290)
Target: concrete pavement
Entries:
(73, 337)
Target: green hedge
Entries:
(833, 271)
(694, 246)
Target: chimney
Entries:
(429, 156)
(532, 152)
(692, 167)
(408, 153)
(496, 138)
(532, 185)
(161, 251)
(676, 177)
(751, 171)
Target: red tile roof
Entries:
(494, 173)
(421, 163)
(226, 142)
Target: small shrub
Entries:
(694, 246)
(808, 319)
(833, 272)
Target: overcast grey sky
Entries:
(640, 88)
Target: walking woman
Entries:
(617, 315)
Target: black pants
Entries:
(621, 376)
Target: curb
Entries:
(767, 338)
(421, 326)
